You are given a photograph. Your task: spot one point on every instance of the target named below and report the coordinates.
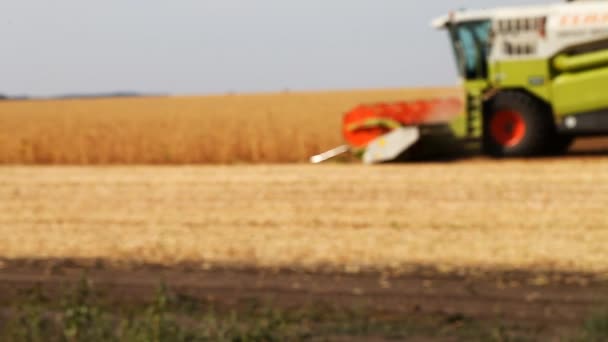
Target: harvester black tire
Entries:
(517, 125)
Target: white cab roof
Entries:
(511, 12)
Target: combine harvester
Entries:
(534, 78)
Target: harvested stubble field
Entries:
(543, 214)
(285, 127)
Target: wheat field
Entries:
(539, 214)
(284, 127)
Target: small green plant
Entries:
(30, 322)
(82, 320)
(157, 322)
(595, 328)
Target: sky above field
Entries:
(218, 46)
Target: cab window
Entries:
(472, 47)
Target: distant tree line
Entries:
(98, 95)
(79, 96)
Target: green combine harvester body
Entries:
(534, 79)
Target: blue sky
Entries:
(217, 46)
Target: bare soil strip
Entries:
(551, 303)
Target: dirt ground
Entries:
(544, 305)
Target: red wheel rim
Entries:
(508, 128)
